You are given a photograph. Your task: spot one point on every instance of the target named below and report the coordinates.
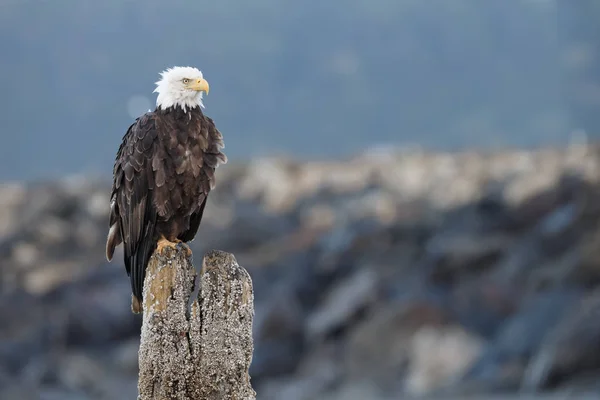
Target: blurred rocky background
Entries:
(413, 185)
(380, 276)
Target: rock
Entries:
(293, 389)
(572, 345)
(39, 281)
(12, 196)
(53, 230)
(14, 392)
(27, 331)
(278, 335)
(483, 305)
(585, 385)
(306, 389)
(355, 391)
(97, 203)
(97, 309)
(125, 357)
(319, 217)
(455, 254)
(321, 365)
(587, 270)
(439, 357)
(502, 363)
(80, 372)
(269, 180)
(345, 300)
(25, 254)
(379, 347)
(318, 371)
(558, 220)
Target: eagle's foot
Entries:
(183, 245)
(175, 245)
(163, 244)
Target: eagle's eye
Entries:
(186, 80)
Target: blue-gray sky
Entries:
(311, 78)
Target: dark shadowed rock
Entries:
(278, 333)
(502, 364)
(96, 310)
(345, 300)
(379, 347)
(570, 347)
(482, 305)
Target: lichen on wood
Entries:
(200, 351)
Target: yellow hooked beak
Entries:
(199, 85)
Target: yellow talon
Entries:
(164, 243)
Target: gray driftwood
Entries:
(202, 350)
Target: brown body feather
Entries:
(163, 173)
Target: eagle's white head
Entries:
(182, 86)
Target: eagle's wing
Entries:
(209, 156)
(132, 213)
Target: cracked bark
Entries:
(200, 351)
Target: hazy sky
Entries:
(311, 79)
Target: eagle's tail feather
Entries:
(115, 236)
(139, 263)
(113, 240)
(136, 304)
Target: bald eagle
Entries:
(163, 173)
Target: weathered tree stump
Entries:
(202, 350)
